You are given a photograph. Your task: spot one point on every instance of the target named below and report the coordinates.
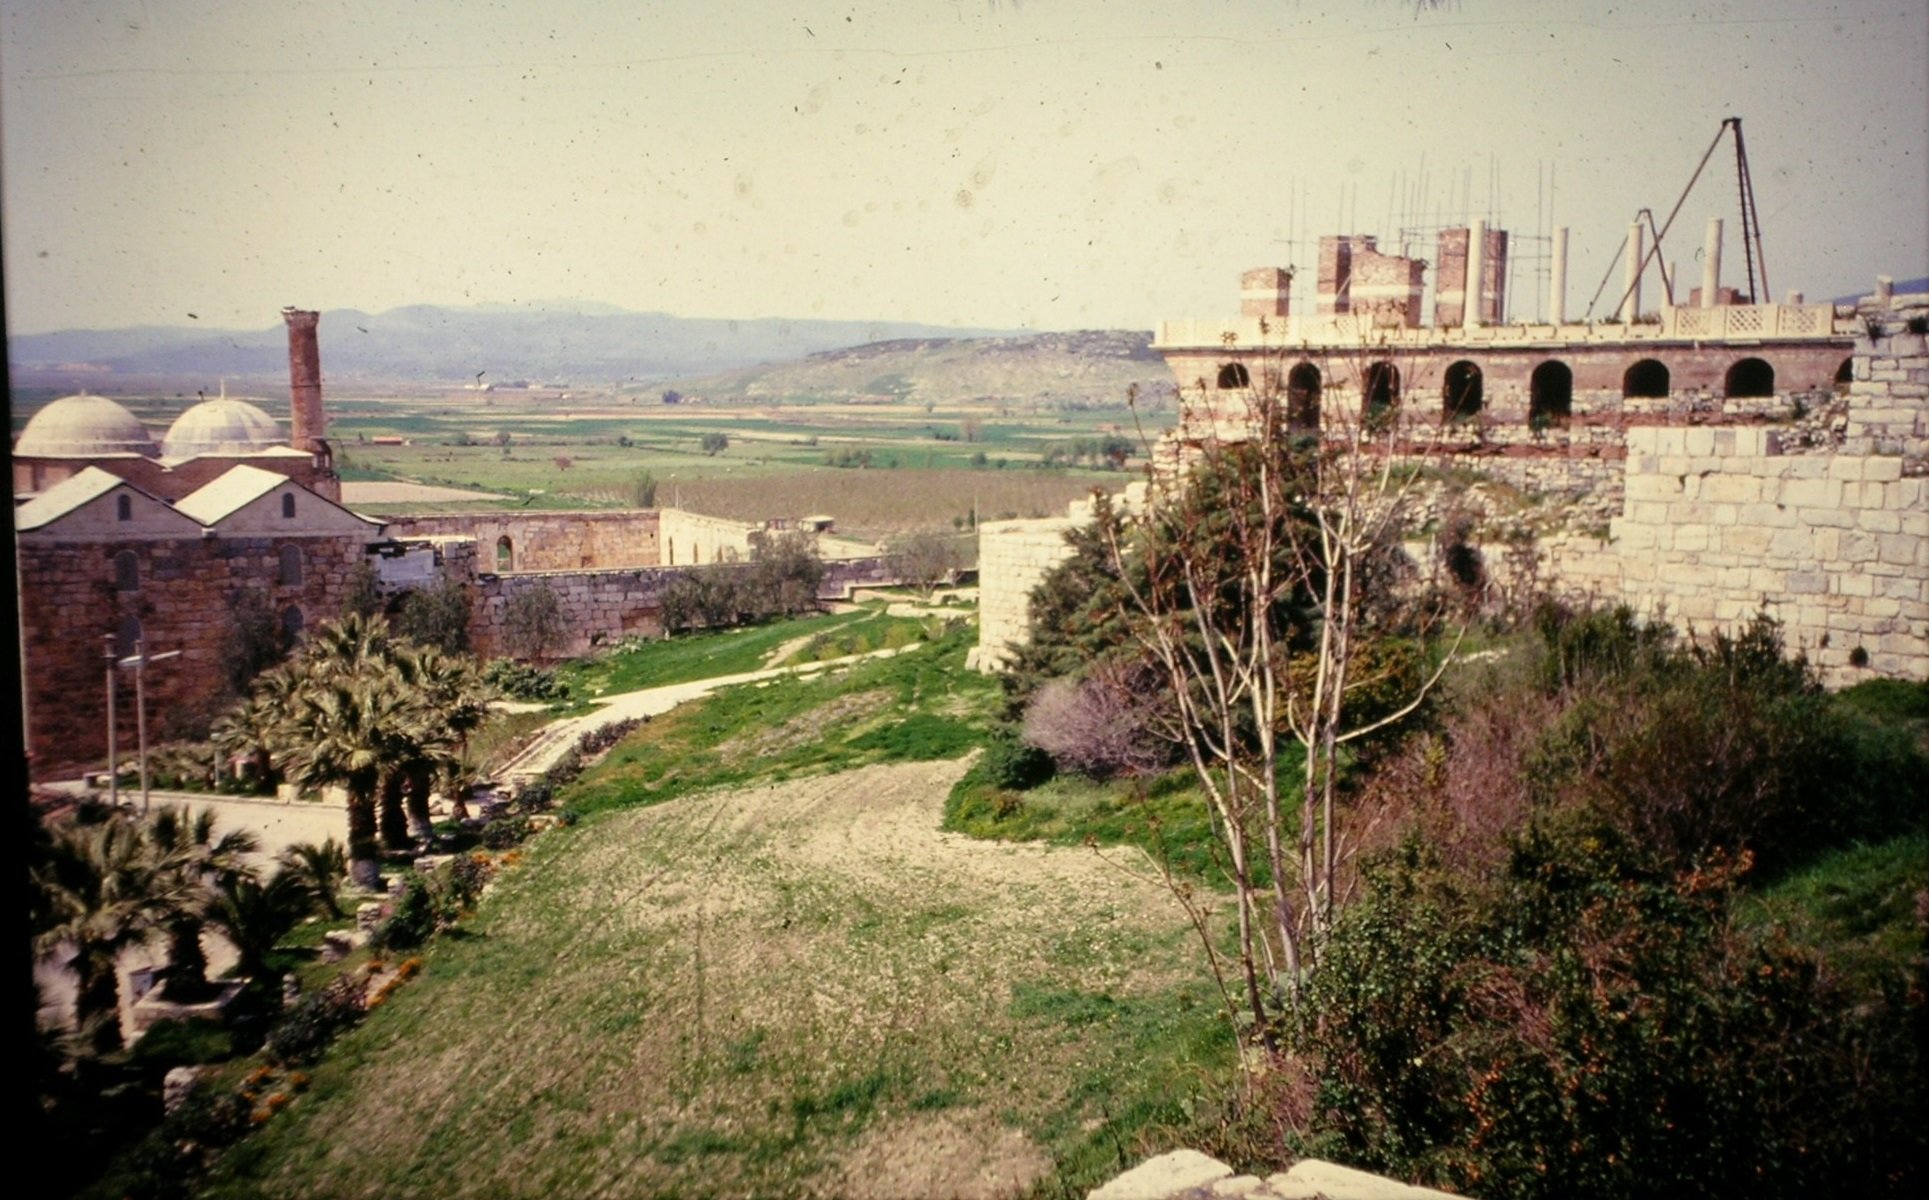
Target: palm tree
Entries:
(254, 727)
(453, 701)
(187, 849)
(256, 915)
(346, 733)
(320, 870)
(99, 893)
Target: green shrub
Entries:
(1723, 744)
(1585, 1025)
(505, 832)
(419, 911)
(524, 682)
(1013, 766)
(170, 1044)
(306, 1030)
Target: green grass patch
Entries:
(1855, 906)
(915, 706)
(1165, 815)
(704, 655)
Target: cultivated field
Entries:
(800, 988)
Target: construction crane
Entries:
(1751, 224)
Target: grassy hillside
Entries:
(794, 984)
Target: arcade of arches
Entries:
(1547, 388)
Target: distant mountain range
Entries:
(1033, 370)
(581, 345)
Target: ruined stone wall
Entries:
(693, 539)
(600, 608)
(1719, 524)
(558, 541)
(1889, 398)
(188, 591)
(1012, 557)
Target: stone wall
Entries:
(1012, 557)
(598, 607)
(188, 592)
(1889, 410)
(603, 607)
(692, 539)
(548, 541)
(1719, 524)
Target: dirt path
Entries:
(557, 737)
(802, 989)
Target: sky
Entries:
(1051, 164)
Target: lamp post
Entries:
(139, 660)
(113, 739)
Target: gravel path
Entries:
(557, 737)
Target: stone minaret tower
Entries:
(307, 423)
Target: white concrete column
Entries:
(1476, 267)
(1637, 250)
(1557, 282)
(1711, 265)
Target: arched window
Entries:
(1463, 394)
(290, 565)
(127, 636)
(1646, 380)
(1302, 397)
(1551, 392)
(1381, 387)
(505, 554)
(1845, 374)
(1749, 377)
(123, 508)
(291, 622)
(1234, 375)
(288, 505)
(127, 571)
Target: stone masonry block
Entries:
(1731, 489)
(1825, 517)
(1773, 516)
(1812, 492)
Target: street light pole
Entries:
(140, 715)
(113, 764)
(139, 662)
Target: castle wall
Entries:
(1890, 413)
(1013, 556)
(1720, 524)
(600, 608)
(559, 541)
(693, 539)
(189, 590)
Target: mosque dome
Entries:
(221, 426)
(83, 426)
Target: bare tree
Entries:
(1252, 613)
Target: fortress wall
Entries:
(600, 608)
(693, 539)
(1012, 557)
(1889, 398)
(1719, 524)
(557, 541)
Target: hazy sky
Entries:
(1052, 164)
